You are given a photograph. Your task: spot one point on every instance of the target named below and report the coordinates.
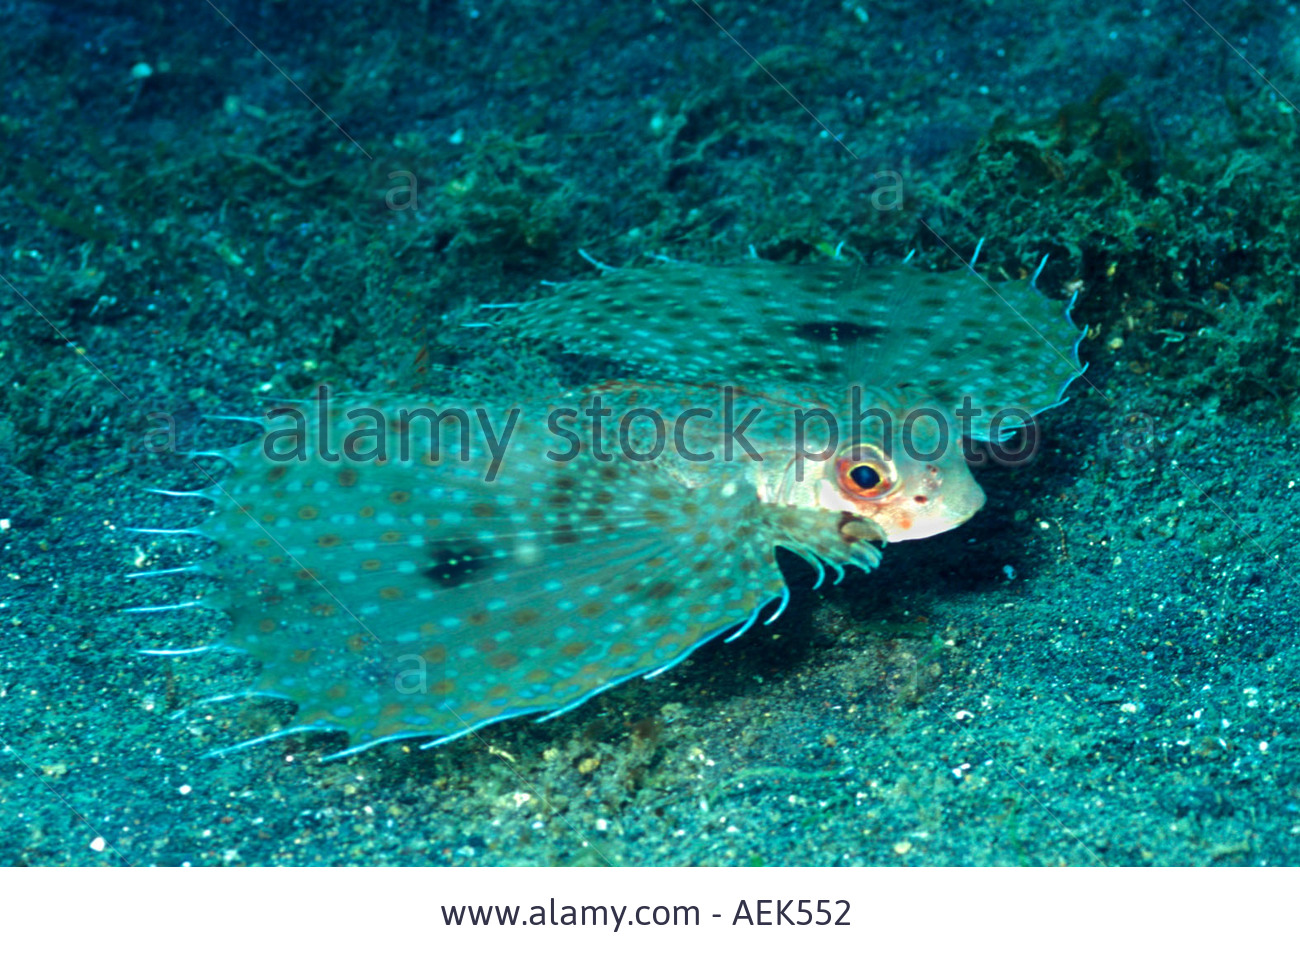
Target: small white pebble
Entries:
(98, 844)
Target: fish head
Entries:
(906, 474)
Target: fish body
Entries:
(421, 569)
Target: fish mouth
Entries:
(961, 507)
(956, 508)
(973, 502)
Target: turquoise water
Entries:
(1099, 668)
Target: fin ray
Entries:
(463, 601)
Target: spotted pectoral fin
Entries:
(404, 599)
(952, 335)
(754, 323)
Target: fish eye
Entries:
(865, 477)
(865, 474)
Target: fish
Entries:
(421, 567)
(954, 336)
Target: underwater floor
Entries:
(1100, 668)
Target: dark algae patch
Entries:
(1099, 668)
